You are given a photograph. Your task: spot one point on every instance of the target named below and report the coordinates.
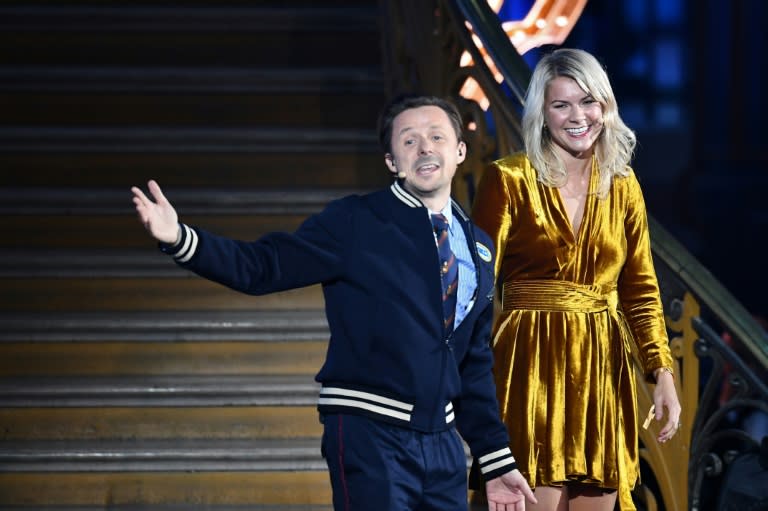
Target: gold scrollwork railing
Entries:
(721, 352)
(722, 355)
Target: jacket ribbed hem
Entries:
(339, 399)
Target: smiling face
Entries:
(573, 117)
(425, 148)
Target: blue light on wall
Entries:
(668, 114)
(636, 14)
(637, 64)
(634, 114)
(669, 12)
(668, 67)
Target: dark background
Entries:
(690, 79)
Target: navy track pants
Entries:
(376, 466)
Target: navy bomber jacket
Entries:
(388, 357)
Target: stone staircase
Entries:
(125, 381)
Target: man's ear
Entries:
(390, 162)
(461, 152)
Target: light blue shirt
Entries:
(467, 279)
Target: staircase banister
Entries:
(709, 291)
(486, 25)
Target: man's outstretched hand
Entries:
(158, 216)
(508, 492)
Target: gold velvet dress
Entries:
(575, 306)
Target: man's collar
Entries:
(414, 202)
(405, 196)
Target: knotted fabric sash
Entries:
(566, 296)
(558, 296)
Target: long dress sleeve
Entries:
(638, 287)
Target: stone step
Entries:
(164, 455)
(36, 217)
(317, 170)
(191, 201)
(188, 98)
(159, 423)
(78, 344)
(143, 80)
(170, 138)
(254, 326)
(188, 293)
(102, 358)
(109, 109)
(103, 233)
(158, 391)
(190, 491)
(138, 35)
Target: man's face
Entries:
(426, 149)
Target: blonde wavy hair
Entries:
(614, 147)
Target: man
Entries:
(405, 366)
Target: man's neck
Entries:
(436, 201)
(436, 204)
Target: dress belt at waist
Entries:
(558, 296)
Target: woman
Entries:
(579, 292)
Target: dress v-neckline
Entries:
(575, 236)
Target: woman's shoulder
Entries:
(517, 161)
(626, 181)
(627, 188)
(514, 166)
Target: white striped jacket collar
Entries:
(411, 201)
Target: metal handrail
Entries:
(510, 64)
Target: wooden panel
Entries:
(97, 294)
(194, 490)
(160, 423)
(118, 359)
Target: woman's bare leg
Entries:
(551, 498)
(585, 498)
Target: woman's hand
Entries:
(665, 397)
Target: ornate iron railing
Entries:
(721, 352)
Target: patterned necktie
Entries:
(449, 271)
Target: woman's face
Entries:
(573, 117)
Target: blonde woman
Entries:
(579, 292)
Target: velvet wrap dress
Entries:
(576, 306)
